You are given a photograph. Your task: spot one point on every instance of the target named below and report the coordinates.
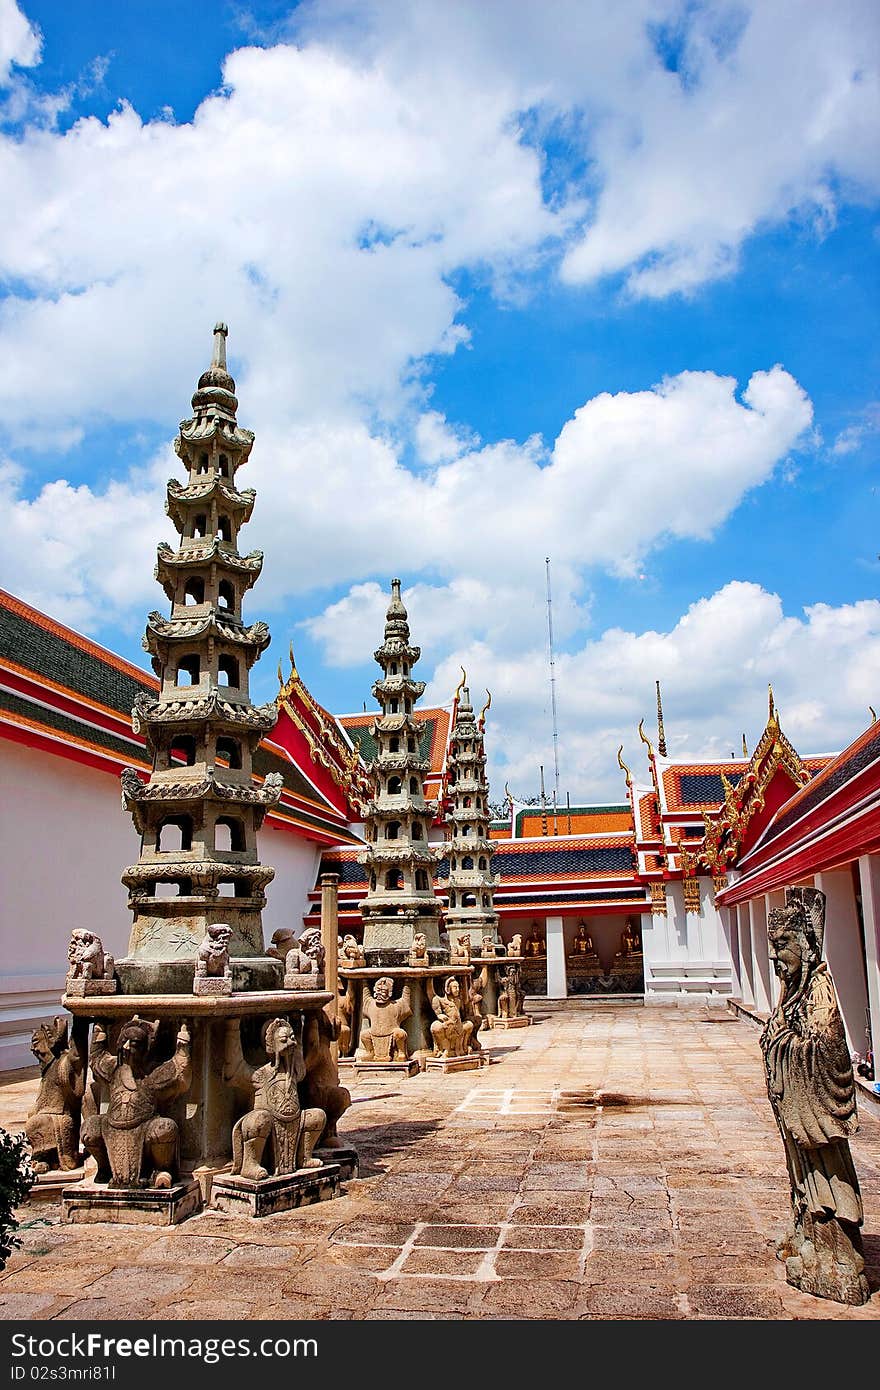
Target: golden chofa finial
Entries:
(485, 710)
(644, 737)
(461, 684)
(280, 676)
(623, 767)
(745, 747)
(873, 714)
(771, 702)
(508, 795)
(293, 670)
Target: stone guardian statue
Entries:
(277, 1128)
(135, 1145)
(52, 1127)
(812, 1092)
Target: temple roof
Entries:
(64, 694)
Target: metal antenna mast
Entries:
(553, 686)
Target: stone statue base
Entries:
(50, 1186)
(212, 984)
(83, 989)
(299, 980)
(350, 1066)
(346, 1160)
(472, 1062)
(238, 1196)
(149, 1206)
(824, 1258)
(520, 1021)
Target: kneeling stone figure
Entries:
(277, 1114)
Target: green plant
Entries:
(16, 1180)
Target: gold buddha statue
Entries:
(583, 942)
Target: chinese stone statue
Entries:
(283, 941)
(450, 1032)
(304, 963)
(510, 992)
(213, 969)
(52, 1127)
(90, 968)
(475, 1003)
(383, 1038)
(811, 1089)
(344, 1015)
(418, 954)
(135, 1145)
(351, 952)
(277, 1128)
(514, 947)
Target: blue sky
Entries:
(603, 289)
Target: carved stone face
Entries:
(134, 1046)
(41, 1048)
(80, 941)
(453, 989)
(786, 952)
(382, 990)
(220, 933)
(281, 1040)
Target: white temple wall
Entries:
(64, 842)
(296, 862)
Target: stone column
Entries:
(843, 952)
(746, 966)
(330, 942)
(761, 956)
(731, 938)
(869, 874)
(557, 984)
(770, 900)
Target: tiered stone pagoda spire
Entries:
(200, 811)
(471, 884)
(399, 861)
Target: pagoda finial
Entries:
(745, 747)
(661, 732)
(485, 710)
(644, 737)
(218, 359)
(771, 702)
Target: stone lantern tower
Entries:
(400, 900)
(199, 813)
(471, 884)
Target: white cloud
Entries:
(714, 666)
(20, 41)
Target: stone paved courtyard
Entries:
(614, 1160)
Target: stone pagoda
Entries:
(471, 884)
(212, 1077)
(471, 919)
(400, 900)
(404, 996)
(199, 813)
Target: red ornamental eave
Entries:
(855, 837)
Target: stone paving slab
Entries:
(616, 1162)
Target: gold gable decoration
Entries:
(326, 745)
(726, 829)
